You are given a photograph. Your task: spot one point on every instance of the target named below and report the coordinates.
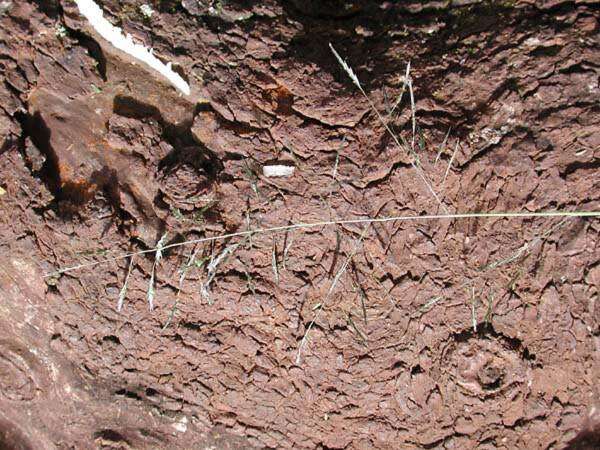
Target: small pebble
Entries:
(278, 171)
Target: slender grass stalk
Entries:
(171, 314)
(305, 225)
(413, 112)
(158, 256)
(430, 304)
(360, 334)
(287, 244)
(183, 271)
(443, 146)
(274, 266)
(330, 290)
(123, 292)
(525, 248)
(363, 305)
(450, 162)
(413, 163)
(489, 314)
(404, 84)
(473, 314)
(212, 270)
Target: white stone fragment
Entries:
(278, 171)
(92, 12)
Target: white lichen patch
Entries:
(5, 5)
(146, 11)
(92, 12)
(60, 31)
(532, 42)
(278, 171)
(181, 425)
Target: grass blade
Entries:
(404, 85)
(212, 270)
(123, 292)
(157, 258)
(346, 68)
(413, 108)
(473, 316)
(274, 262)
(450, 162)
(323, 223)
(413, 163)
(443, 146)
(329, 291)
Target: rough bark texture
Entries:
(442, 334)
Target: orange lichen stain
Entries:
(281, 99)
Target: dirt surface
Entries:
(474, 333)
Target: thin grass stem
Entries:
(413, 162)
(306, 225)
(330, 290)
